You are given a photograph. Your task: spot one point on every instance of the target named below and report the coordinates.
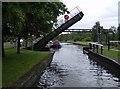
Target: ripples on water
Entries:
(52, 75)
(71, 68)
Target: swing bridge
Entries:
(62, 25)
(75, 15)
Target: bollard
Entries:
(101, 50)
(108, 45)
(93, 47)
(97, 48)
(90, 45)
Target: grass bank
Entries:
(16, 65)
(112, 54)
(79, 42)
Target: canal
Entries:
(71, 68)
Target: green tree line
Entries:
(24, 19)
(98, 34)
(75, 36)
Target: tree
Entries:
(40, 21)
(94, 32)
(97, 32)
(113, 31)
(118, 32)
(13, 18)
(24, 19)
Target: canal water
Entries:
(71, 68)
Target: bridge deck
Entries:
(78, 30)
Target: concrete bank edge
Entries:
(105, 61)
(109, 63)
(31, 77)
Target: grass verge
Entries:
(112, 54)
(16, 65)
(80, 42)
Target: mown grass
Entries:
(112, 54)
(83, 43)
(16, 65)
(80, 42)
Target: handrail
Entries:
(72, 13)
(95, 43)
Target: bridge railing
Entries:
(78, 30)
(72, 13)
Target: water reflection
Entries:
(71, 68)
(52, 75)
(103, 76)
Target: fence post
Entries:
(93, 47)
(96, 48)
(101, 50)
(90, 45)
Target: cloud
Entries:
(105, 11)
(119, 13)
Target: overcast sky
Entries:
(105, 11)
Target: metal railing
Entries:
(72, 13)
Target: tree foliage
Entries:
(75, 36)
(104, 35)
(24, 19)
(118, 32)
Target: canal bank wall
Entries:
(106, 62)
(78, 44)
(30, 79)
